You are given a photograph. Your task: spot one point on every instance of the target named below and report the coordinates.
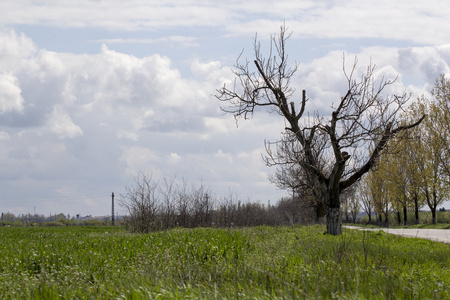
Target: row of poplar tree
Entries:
(414, 173)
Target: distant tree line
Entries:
(10, 219)
(157, 204)
(30, 218)
(416, 174)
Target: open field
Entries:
(246, 263)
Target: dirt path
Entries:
(437, 235)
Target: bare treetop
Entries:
(268, 85)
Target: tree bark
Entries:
(405, 215)
(433, 215)
(333, 205)
(334, 222)
(332, 200)
(433, 209)
(416, 207)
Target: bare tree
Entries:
(142, 203)
(159, 204)
(167, 189)
(362, 116)
(201, 207)
(183, 203)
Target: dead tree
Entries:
(362, 116)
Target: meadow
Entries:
(211, 263)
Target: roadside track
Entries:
(437, 235)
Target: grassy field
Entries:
(246, 263)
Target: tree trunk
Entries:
(334, 222)
(433, 215)
(416, 207)
(333, 205)
(405, 215)
(386, 219)
(433, 209)
(399, 218)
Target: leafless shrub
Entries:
(153, 205)
(142, 203)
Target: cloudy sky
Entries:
(92, 92)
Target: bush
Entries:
(52, 224)
(154, 205)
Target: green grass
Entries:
(247, 263)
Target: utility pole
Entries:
(112, 209)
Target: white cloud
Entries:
(174, 158)
(15, 49)
(174, 41)
(430, 62)
(399, 20)
(10, 94)
(417, 21)
(139, 158)
(224, 156)
(205, 70)
(115, 15)
(132, 136)
(4, 135)
(61, 123)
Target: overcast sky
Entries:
(92, 92)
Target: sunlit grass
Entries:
(246, 263)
